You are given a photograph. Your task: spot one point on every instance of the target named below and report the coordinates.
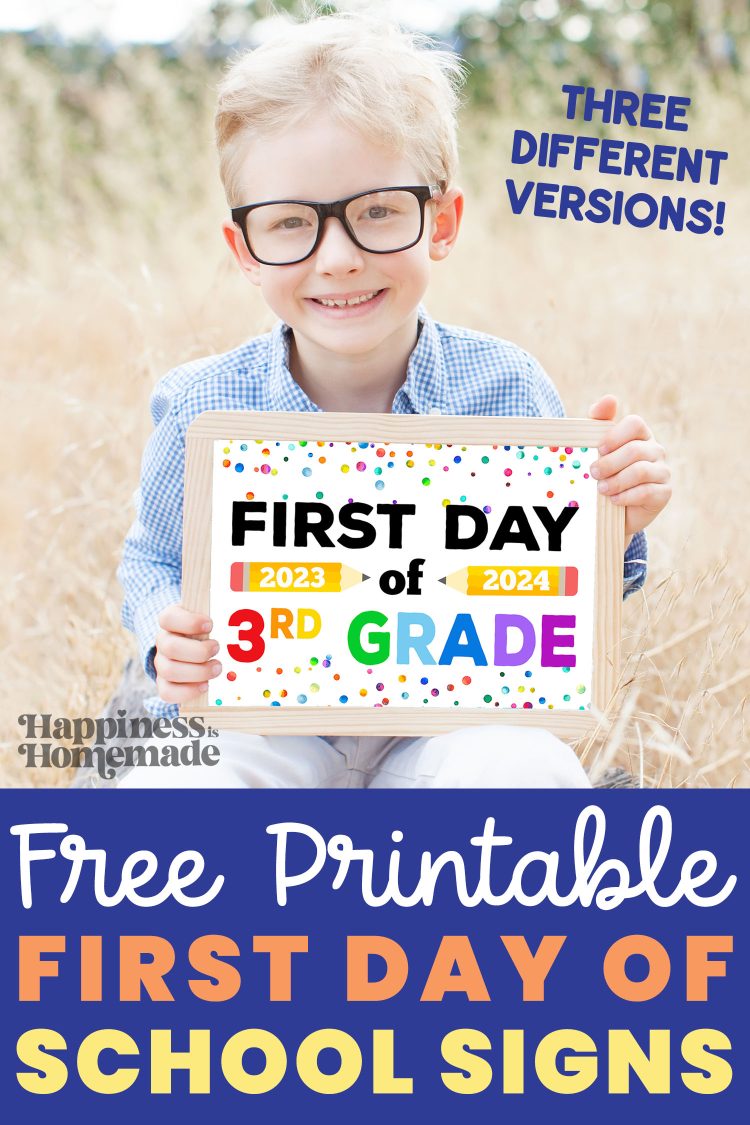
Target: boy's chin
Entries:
(350, 345)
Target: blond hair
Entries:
(389, 85)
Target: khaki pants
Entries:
(492, 757)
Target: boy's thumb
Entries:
(605, 409)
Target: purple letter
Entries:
(551, 640)
(504, 622)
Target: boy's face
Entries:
(322, 161)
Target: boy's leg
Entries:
(492, 757)
(249, 761)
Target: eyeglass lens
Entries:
(384, 221)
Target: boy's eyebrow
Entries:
(434, 192)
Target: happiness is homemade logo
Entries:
(112, 743)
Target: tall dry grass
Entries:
(116, 271)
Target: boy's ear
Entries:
(236, 243)
(445, 223)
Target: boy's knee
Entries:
(500, 757)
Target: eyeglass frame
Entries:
(336, 210)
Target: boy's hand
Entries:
(183, 663)
(632, 468)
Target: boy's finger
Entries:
(632, 428)
(178, 693)
(177, 619)
(651, 497)
(605, 410)
(180, 672)
(627, 454)
(176, 647)
(642, 472)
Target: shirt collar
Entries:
(424, 386)
(284, 391)
(422, 392)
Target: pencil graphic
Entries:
(293, 577)
(514, 581)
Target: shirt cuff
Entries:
(636, 564)
(159, 709)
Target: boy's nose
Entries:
(336, 252)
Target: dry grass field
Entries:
(115, 271)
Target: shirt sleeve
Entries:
(150, 571)
(544, 402)
(636, 564)
(542, 399)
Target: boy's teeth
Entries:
(340, 303)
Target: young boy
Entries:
(358, 121)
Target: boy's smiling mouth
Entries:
(348, 302)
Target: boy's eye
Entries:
(293, 222)
(377, 211)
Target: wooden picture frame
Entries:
(436, 431)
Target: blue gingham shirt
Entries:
(451, 371)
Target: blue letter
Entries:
(407, 642)
(463, 626)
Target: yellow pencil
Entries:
(293, 577)
(514, 581)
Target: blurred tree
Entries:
(516, 50)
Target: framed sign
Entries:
(401, 574)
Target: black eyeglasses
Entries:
(283, 232)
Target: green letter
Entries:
(381, 640)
